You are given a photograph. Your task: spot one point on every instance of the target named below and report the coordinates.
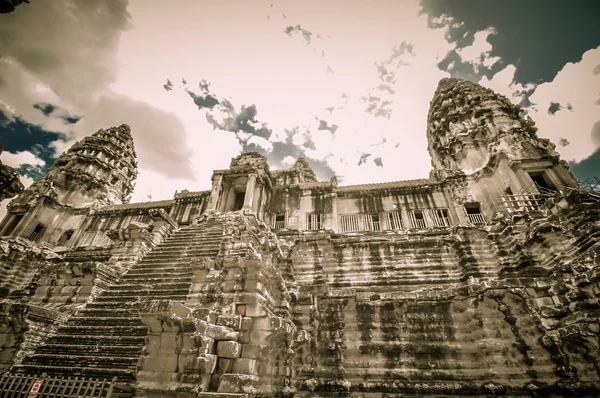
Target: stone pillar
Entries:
(249, 198)
(28, 222)
(256, 201)
(333, 223)
(217, 181)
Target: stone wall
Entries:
(512, 309)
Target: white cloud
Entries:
(478, 53)
(21, 158)
(577, 85)
(251, 62)
(504, 83)
(288, 160)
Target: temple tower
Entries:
(481, 138)
(98, 170)
(245, 186)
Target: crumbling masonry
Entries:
(483, 279)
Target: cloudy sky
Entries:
(344, 83)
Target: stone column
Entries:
(249, 198)
(217, 181)
(333, 222)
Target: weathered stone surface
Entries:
(275, 284)
(237, 383)
(229, 349)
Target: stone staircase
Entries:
(106, 338)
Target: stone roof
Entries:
(137, 206)
(315, 185)
(190, 194)
(421, 182)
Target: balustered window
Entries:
(314, 221)
(441, 218)
(279, 221)
(474, 213)
(37, 233)
(360, 222)
(417, 219)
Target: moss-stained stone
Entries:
(445, 286)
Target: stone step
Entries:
(104, 330)
(95, 320)
(150, 273)
(183, 252)
(100, 312)
(163, 265)
(191, 240)
(142, 297)
(178, 256)
(145, 292)
(169, 277)
(93, 340)
(92, 350)
(118, 302)
(194, 237)
(103, 373)
(159, 284)
(220, 395)
(118, 362)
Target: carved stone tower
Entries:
(98, 170)
(477, 136)
(245, 186)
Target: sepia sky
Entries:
(346, 84)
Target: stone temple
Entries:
(481, 280)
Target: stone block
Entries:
(202, 364)
(305, 299)
(205, 363)
(199, 276)
(201, 381)
(205, 314)
(237, 383)
(256, 310)
(246, 366)
(244, 337)
(251, 351)
(259, 337)
(246, 324)
(221, 333)
(543, 301)
(231, 321)
(205, 345)
(229, 349)
(225, 365)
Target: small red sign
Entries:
(35, 388)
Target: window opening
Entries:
(474, 213)
(542, 182)
(417, 219)
(66, 236)
(314, 221)
(37, 233)
(239, 200)
(441, 217)
(375, 225)
(279, 220)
